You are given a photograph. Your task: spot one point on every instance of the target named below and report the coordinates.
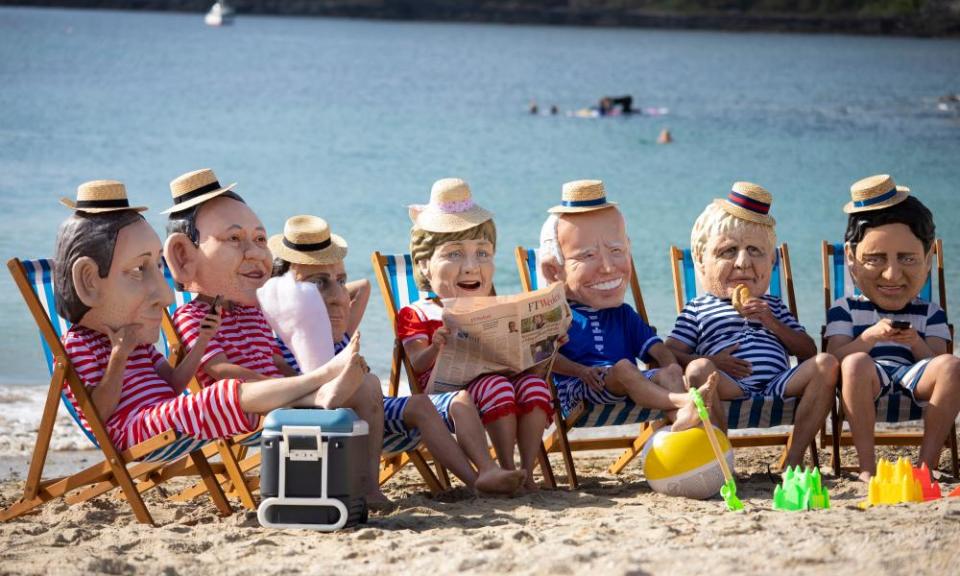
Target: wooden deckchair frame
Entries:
(751, 440)
(558, 440)
(232, 453)
(113, 471)
(835, 437)
(400, 361)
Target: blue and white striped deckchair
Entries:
(157, 459)
(756, 411)
(588, 415)
(897, 406)
(399, 288)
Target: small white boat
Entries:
(220, 14)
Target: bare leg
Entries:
(815, 382)
(860, 386)
(503, 433)
(940, 386)
(529, 438)
(670, 378)
(473, 440)
(689, 416)
(367, 402)
(420, 413)
(625, 379)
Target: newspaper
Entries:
(499, 334)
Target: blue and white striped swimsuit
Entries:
(709, 324)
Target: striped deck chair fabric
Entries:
(894, 407)
(40, 276)
(756, 411)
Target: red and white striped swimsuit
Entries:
(244, 337)
(494, 395)
(148, 404)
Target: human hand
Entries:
(123, 339)
(758, 310)
(733, 366)
(209, 326)
(884, 331)
(592, 376)
(440, 336)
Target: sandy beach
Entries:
(612, 525)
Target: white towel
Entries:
(296, 312)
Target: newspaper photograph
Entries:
(499, 335)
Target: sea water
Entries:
(353, 120)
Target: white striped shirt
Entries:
(851, 315)
(708, 325)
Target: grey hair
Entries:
(715, 220)
(549, 244)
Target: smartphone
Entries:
(901, 325)
(215, 307)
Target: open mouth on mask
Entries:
(475, 285)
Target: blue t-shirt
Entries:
(851, 315)
(604, 337)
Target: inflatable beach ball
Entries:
(683, 464)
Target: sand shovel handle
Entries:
(711, 435)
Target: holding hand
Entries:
(440, 337)
(758, 310)
(592, 376)
(884, 331)
(734, 367)
(209, 325)
(123, 339)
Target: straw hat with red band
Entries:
(874, 193)
(194, 188)
(451, 208)
(748, 201)
(307, 240)
(582, 196)
(99, 196)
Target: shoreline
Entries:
(933, 24)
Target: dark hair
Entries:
(85, 234)
(185, 221)
(280, 267)
(911, 212)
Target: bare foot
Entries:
(499, 481)
(530, 485)
(378, 501)
(340, 361)
(688, 416)
(865, 476)
(342, 387)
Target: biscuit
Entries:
(741, 294)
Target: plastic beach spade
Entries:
(801, 490)
(729, 488)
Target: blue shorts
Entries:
(572, 390)
(397, 436)
(896, 377)
(775, 387)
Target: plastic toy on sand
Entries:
(801, 490)
(900, 482)
(729, 488)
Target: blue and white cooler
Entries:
(313, 469)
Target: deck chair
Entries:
(398, 289)
(587, 415)
(232, 451)
(756, 411)
(134, 470)
(892, 408)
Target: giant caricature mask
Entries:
(331, 281)
(133, 292)
(596, 258)
(729, 251)
(230, 258)
(889, 265)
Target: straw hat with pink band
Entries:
(99, 196)
(451, 208)
(748, 201)
(874, 193)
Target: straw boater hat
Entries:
(451, 208)
(874, 193)
(307, 240)
(195, 188)
(748, 201)
(101, 196)
(582, 196)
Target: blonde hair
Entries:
(714, 220)
(424, 243)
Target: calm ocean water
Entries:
(353, 120)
